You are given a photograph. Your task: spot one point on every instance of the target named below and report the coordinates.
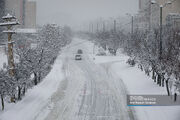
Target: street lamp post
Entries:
(160, 37)
(160, 22)
(132, 23)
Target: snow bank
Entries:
(107, 59)
(138, 83)
(36, 99)
(136, 80)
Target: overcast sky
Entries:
(73, 12)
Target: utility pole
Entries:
(132, 25)
(9, 22)
(97, 29)
(149, 18)
(104, 27)
(115, 25)
(89, 27)
(92, 28)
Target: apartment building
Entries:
(149, 14)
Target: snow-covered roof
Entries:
(21, 31)
(8, 16)
(9, 23)
(9, 31)
(26, 30)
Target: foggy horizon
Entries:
(76, 12)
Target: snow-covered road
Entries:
(89, 91)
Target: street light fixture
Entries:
(153, 2)
(169, 2)
(162, 5)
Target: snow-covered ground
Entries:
(37, 102)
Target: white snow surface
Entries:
(37, 99)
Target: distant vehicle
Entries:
(101, 54)
(78, 57)
(79, 51)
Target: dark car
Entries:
(79, 51)
(78, 57)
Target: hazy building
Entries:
(143, 18)
(143, 5)
(168, 11)
(30, 14)
(173, 20)
(16, 8)
(24, 10)
(2, 7)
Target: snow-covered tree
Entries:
(34, 57)
(143, 47)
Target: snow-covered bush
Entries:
(131, 62)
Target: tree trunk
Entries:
(147, 72)
(24, 90)
(19, 93)
(167, 87)
(141, 67)
(13, 99)
(155, 78)
(2, 102)
(159, 80)
(153, 74)
(35, 79)
(175, 97)
(39, 77)
(163, 81)
(115, 52)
